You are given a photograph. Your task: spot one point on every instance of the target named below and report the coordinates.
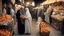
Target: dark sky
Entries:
(6, 1)
(39, 1)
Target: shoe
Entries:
(27, 33)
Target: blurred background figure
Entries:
(11, 11)
(4, 8)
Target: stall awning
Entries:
(60, 0)
(51, 1)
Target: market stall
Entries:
(57, 21)
(6, 25)
(53, 4)
(58, 18)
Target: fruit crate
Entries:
(6, 25)
(44, 33)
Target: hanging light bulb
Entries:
(27, 3)
(33, 3)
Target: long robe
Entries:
(20, 24)
(28, 21)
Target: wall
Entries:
(0, 5)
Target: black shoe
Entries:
(27, 33)
(21, 33)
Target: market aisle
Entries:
(35, 29)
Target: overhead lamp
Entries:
(27, 3)
(33, 3)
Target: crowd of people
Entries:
(46, 11)
(21, 16)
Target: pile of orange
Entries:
(5, 17)
(4, 33)
(22, 17)
(42, 24)
(61, 17)
(44, 28)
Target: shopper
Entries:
(11, 10)
(28, 21)
(21, 26)
(41, 12)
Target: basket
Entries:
(44, 33)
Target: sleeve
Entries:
(4, 11)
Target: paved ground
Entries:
(54, 32)
(35, 30)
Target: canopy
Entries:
(51, 1)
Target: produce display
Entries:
(4, 33)
(44, 28)
(5, 17)
(44, 31)
(6, 22)
(43, 25)
(58, 17)
(61, 17)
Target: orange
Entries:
(8, 17)
(4, 19)
(4, 32)
(1, 20)
(0, 17)
(23, 17)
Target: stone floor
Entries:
(54, 32)
(34, 31)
